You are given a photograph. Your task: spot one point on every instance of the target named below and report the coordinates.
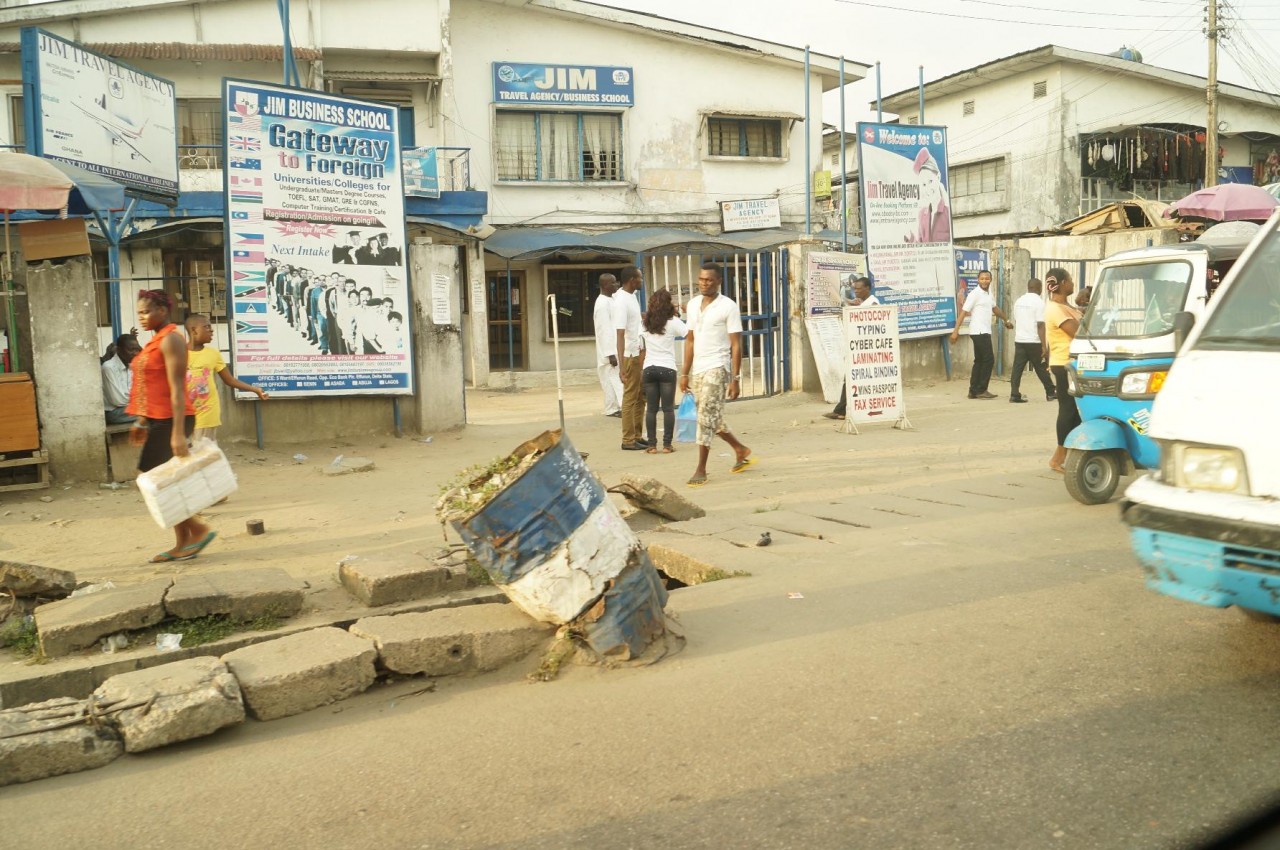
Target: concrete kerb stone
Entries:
(23, 684)
(75, 623)
(381, 581)
(180, 701)
(695, 560)
(27, 753)
(294, 674)
(457, 640)
(242, 595)
(33, 580)
(652, 495)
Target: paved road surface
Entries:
(979, 667)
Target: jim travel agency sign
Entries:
(527, 84)
(316, 242)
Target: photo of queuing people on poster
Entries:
(907, 224)
(316, 242)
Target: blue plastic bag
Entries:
(687, 420)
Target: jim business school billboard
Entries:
(316, 242)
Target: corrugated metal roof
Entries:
(191, 52)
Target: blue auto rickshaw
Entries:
(1125, 346)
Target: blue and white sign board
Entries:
(421, 173)
(907, 224)
(760, 214)
(526, 84)
(969, 261)
(315, 243)
(99, 114)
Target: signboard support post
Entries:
(395, 416)
(844, 172)
(946, 355)
(113, 230)
(257, 421)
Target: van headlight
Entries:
(1214, 468)
(1142, 383)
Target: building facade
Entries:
(1041, 137)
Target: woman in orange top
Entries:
(159, 392)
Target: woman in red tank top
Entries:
(165, 417)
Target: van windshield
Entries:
(1248, 317)
(1134, 301)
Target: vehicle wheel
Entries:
(1092, 477)
(1259, 616)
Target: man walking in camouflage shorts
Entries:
(712, 358)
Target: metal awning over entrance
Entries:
(530, 243)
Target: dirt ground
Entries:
(312, 520)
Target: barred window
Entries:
(559, 146)
(977, 178)
(746, 137)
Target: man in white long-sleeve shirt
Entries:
(607, 346)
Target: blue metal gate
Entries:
(758, 282)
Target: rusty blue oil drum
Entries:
(555, 544)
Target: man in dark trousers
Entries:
(1029, 345)
(979, 307)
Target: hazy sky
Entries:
(946, 36)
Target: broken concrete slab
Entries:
(398, 578)
(293, 674)
(347, 466)
(242, 595)
(70, 624)
(697, 560)
(52, 738)
(652, 495)
(33, 580)
(179, 701)
(455, 640)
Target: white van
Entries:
(1206, 522)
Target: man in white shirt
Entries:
(1029, 345)
(117, 380)
(607, 346)
(862, 297)
(978, 307)
(712, 358)
(626, 321)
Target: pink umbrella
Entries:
(1226, 202)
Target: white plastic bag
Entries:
(181, 487)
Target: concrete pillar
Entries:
(65, 366)
(439, 403)
(475, 336)
(804, 369)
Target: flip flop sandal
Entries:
(743, 464)
(198, 547)
(667, 450)
(167, 557)
(695, 481)
(651, 451)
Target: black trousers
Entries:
(839, 409)
(984, 359)
(1029, 353)
(659, 391)
(1068, 413)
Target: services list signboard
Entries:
(529, 84)
(873, 369)
(315, 243)
(99, 114)
(907, 224)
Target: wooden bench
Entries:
(122, 458)
(27, 470)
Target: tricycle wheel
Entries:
(1092, 477)
(1259, 616)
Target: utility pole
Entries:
(1211, 95)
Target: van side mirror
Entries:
(1182, 324)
